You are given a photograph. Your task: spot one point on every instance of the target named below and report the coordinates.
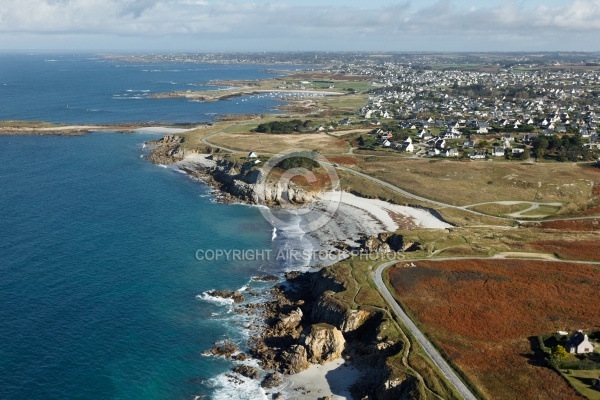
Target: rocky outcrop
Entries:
(294, 360)
(324, 343)
(247, 371)
(225, 349)
(383, 243)
(271, 380)
(235, 179)
(330, 310)
(289, 324)
(166, 150)
(236, 296)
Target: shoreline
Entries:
(78, 130)
(356, 221)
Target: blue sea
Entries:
(102, 295)
(89, 89)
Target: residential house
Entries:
(482, 127)
(478, 155)
(498, 151)
(579, 343)
(451, 153)
(252, 155)
(423, 132)
(469, 144)
(408, 147)
(433, 152)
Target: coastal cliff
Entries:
(237, 180)
(305, 323)
(312, 317)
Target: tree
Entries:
(559, 354)
(361, 141)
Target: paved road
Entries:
(423, 341)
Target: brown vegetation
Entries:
(483, 314)
(580, 225)
(571, 249)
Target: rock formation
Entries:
(294, 360)
(236, 296)
(324, 343)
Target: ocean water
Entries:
(88, 89)
(102, 294)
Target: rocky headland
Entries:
(307, 319)
(236, 181)
(303, 323)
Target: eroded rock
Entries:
(294, 360)
(324, 343)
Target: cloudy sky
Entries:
(323, 25)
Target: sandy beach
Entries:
(332, 379)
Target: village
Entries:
(481, 115)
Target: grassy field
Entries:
(500, 210)
(482, 315)
(583, 382)
(274, 144)
(465, 182)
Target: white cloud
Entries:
(286, 19)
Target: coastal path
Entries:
(431, 351)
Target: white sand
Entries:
(380, 210)
(332, 379)
(357, 217)
(162, 130)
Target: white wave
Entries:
(215, 300)
(234, 386)
(163, 166)
(274, 234)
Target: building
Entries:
(579, 343)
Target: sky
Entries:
(300, 25)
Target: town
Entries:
(516, 112)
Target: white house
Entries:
(579, 344)
(252, 155)
(477, 155)
(451, 153)
(498, 151)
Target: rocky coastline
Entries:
(303, 322)
(234, 181)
